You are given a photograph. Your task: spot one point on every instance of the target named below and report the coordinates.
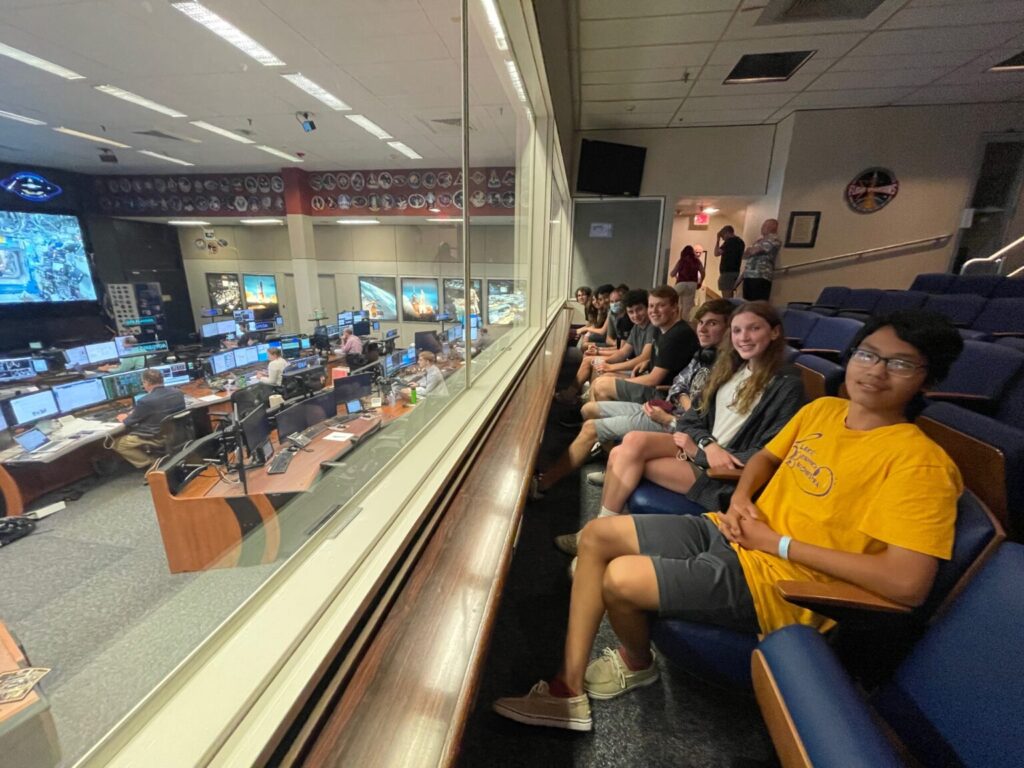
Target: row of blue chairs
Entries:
(976, 316)
(989, 286)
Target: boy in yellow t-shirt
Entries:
(851, 490)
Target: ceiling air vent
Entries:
(793, 11)
(443, 125)
(767, 67)
(157, 134)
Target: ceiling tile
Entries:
(613, 9)
(647, 57)
(868, 97)
(956, 15)
(690, 116)
(711, 81)
(597, 122)
(753, 101)
(835, 81)
(624, 107)
(664, 75)
(727, 53)
(623, 91)
(660, 30)
(973, 38)
(965, 94)
(932, 60)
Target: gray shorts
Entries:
(727, 280)
(619, 418)
(627, 391)
(699, 575)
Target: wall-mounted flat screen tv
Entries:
(43, 260)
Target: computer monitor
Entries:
(375, 325)
(245, 356)
(320, 408)
(138, 398)
(361, 328)
(474, 321)
(304, 342)
(244, 315)
(291, 420)
(175, 374)
(256, 431)
(124, 346)
(121, 385)
(278, 321)
(349, 388)
(358, 315)
(275, 343)
(14, 368)
(102, 352)
(474, 333)
(261, 352)
(353, 406)
(31, 439)
(3, 422)
(392, 334)
(408, 357)
(210, 330)
(392, 363)
(29, 408)
(344, 318)
(261, 325)
(290, 348)
(79, 394)
(222, 362)
(76, 356)
(225, 327)
(454, 333)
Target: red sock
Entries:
(557, 687)
(633, 664)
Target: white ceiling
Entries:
(661, 63)
(394, 61)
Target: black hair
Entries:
(928, 332)
(636, 296)
(606, 288)
(622, 288)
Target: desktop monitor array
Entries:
(17, 368)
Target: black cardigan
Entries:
(782, 398)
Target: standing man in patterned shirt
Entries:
(759, 263)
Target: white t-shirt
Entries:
(432, 382)
(275, 371)
(729, 421)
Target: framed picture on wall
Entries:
(225, 291)
(377, 296)
(506, 302)
(260, 295)
(802, 231)
(420, 303)
(455, 297)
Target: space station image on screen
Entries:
(420, 303)
(260, 295)
(42, 259)
(455, 297)
(224, 290)
(506, 302)
(378, 298)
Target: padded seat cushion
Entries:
(717, 655)
(652, 499)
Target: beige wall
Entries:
(935, 153)
(347, 252)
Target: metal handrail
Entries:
(868, 252)
(998, 257)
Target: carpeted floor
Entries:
(677, 722)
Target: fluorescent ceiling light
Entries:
(302, 82)
(709, 210)
(405, 150)
(168, 158)
(260, 222)
(188, 223)
(279, 153)
(358, 221)
(444, 221)
(142, 101)
(517, 81)
(20, 118)
(91, 137)
(369, 126)
(494, 20)
(35, 61)
(228, 32)
(221, 131)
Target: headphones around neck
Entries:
(706, 355)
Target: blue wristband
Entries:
(784, 543)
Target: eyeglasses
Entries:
(897, 366)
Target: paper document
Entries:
(211, 398)
(339, 437)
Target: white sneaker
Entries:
(596, 478)
(539, 707)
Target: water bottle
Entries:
(412, 395)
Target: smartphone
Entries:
(665, 405)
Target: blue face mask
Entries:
(616, 307)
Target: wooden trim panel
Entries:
(412, 691)
(788, 745)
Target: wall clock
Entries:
(871, 190)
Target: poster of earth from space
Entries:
(378, 298)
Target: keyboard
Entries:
(279, 464)
(338, 421)
(106, 414)
(317, 429)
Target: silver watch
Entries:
(704, 442)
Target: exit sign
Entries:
(701, 219)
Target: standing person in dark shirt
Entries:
(689, 274)
(673, 348)
(729, 248)
(143, 421)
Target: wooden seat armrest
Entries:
(821, 596)
(729, 475)
(958, 396)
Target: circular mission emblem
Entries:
(872, 190)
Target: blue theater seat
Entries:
(1010, 288)
(895, 301)
(820, 377)
(979, 376)
(932, 282)
(1001, 317)
(829, 297)
(1013, 342)
(978, 285)
(954, 701)
(961, 309)
(831, 337)
(722, 656)
(652, 499)
(797, 324)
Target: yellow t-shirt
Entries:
(853, 491)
